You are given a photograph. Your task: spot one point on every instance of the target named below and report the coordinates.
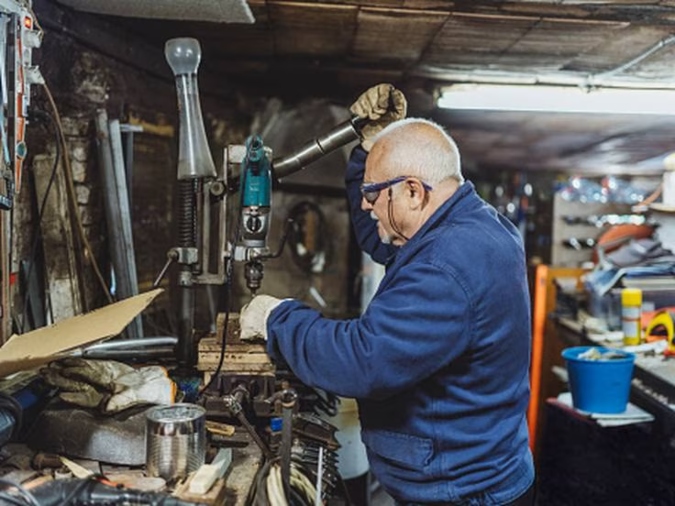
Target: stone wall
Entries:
(84, 79)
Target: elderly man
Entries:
(439, 360)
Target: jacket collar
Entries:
(462, 198)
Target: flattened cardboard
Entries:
(35, 348)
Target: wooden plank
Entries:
(215, 495)
(233, 328)
(233, 489)
(5, 276)
(378, 29)
(239, 357)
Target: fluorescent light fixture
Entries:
(542, 98)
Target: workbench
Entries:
(581, 462)
(18, 465)
(653, 383)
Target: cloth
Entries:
(382, 104)
(439, 360)
(253, 317)
(640, 252)
(108, 385)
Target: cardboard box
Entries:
(40, 346)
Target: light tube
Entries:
(543, 98)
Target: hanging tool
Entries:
(204, 253)
(233, 404)
(21, 36)
(256, 200)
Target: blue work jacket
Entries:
(438, 362)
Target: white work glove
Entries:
(253, 317)
(146, 385)
(108, 385)
(382, 104)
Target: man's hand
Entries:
(253, 317)
(382, 104)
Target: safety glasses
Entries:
(371, 191)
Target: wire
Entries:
(303, 484)
(41, 212)
(29, 498)
(73, 198)
(228, 308)
(6, 497)
(267, 489)
(326, 402)
(275, 490)
(78, 489)
(258, 492)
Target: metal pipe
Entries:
(233, 405)
(342, 134)
(144, 348)
(186, 352)
(656, 47)
(145, 342)
(132, 353)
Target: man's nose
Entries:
(365, 205)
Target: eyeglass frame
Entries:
(376, 188)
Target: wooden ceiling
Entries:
(338, 48)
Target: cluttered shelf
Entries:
(584, 459)
(653, 381)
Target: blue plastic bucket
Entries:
(599, 386)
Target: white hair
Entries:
(421, 148)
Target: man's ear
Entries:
(416, 193)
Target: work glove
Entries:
(253, 317)
(108, 385)
(382, 104)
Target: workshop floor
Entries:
(380, 498)
(364, 491)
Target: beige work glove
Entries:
(382, 104)
(75, 374)
(107, 384)
(253, 317)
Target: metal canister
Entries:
(175, 440)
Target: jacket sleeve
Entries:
(365, 228)
(409, 331)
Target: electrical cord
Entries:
(221, 360)
(228, 290)
(268, 490)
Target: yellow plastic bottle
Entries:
(631, 312)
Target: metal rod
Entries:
(288, 400)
